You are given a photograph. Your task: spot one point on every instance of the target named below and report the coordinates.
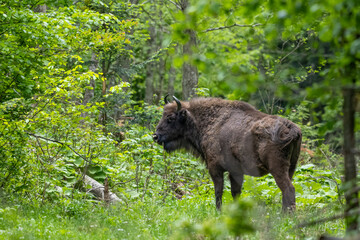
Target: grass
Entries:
(193, 217)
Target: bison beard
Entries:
(233, 136)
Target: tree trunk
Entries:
(89, 92)
(90, 89)
(149, 87)
(172, 77)
(351, 194)
(150, 70)
(190, 72)
(162, 67)
(105, 65)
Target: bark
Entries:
(89, 93)
(106, 63)
(190, 72)
(172, 77)
(351, 196)
(149, 88)
(162, 66)
(100, 191)
(150, 69)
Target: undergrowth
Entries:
(193, 217)
(163, 196)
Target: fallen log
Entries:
(100, 191)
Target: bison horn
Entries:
(178, 103)
(165, 99)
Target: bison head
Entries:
(172, 128)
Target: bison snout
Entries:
(158, 138)
(155, 137)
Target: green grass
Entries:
(157, 219)
(192, 217)
(149, 220)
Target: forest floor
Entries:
(192, 217)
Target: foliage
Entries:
(48, 131)
(155, 218)
(145, 170)
(72, 84)
(151, 184)
(274, 54)
(235, 221)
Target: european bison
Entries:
(233, 136)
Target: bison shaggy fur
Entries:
(233, 136)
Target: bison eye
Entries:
(170, 119)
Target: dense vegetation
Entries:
(81, 88)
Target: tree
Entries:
(335, 21)
(246, 46)
(48, 129)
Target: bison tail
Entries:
(296, 145)
(288, 136)
(285, 132)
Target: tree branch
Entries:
(301, 42)
(56, 141)
(176, 5)
(234, 25)
(327, 219)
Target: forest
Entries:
(82, 87)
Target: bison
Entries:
(233, 136)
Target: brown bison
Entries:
(233, 136)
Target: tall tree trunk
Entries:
(351, 193)
(161, 73)
(89, 92)
(149, 88)
(190, 72)
(150, 70)
(172, 77)
(105, 65)
(90, 89)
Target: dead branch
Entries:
(301, 42)
(58, 142)
(231, 26)
(327, 219)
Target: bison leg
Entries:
(218, 179)
(236, 181)
(288, 191)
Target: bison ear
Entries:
(183, 115)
